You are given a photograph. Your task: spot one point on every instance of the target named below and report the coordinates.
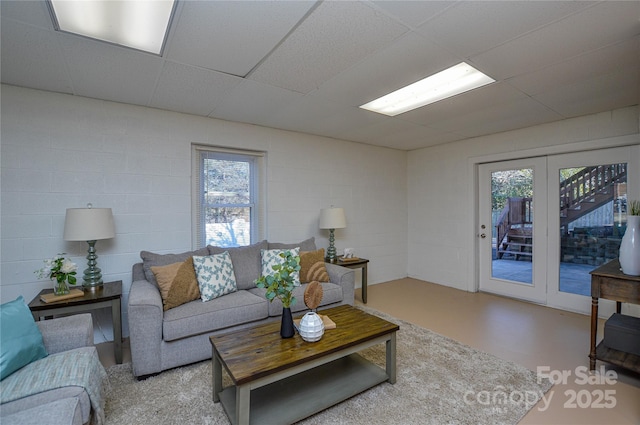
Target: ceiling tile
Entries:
(333, 38)
(33, 13)
(598, 26)
(343, 119)
(395, 133)
(413, 13)
(601, 93)
(472, 27)
(109, 72)
(253, 102)
(496, 118)
(231, 36)
(463, 104)
(190, 89)
(589, 65)
(407, 60)
(31, 57)
(314, 115)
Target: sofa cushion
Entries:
(332, 293)
(177, 282)
(246, 262)
(312, 266)
(305, 245)
(43, 397)
(271, 257)
(215, 275)
(61, 412)
(196, 317)
(150, 259)
(20, 339)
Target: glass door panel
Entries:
(512, 224)
(511, 236)
(588, 194)
(593, 203)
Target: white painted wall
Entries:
(441, 180)
(60, 151)
(409, 213)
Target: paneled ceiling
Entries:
(307, 66)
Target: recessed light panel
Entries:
(450, 82)
(140, 25)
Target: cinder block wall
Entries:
(60, 151)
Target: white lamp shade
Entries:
(332, 218)
(88, 224)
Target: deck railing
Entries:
(576, 192)
(588, 182)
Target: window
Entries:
(228, 207)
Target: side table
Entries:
(107, 295)
(360, 263)
(608, 282)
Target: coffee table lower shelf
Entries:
(302, 395)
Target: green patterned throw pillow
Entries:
(215, 275)
(271, 257)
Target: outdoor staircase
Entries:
(587, 190)
(514, 230)
(580, 194)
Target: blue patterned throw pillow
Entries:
(215, 275)
(271, 257)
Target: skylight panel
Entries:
(450, 82)
(141, 25)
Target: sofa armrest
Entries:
(145, 327)
(67, 333)
(345, 277)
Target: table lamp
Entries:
(90, 225)
(332, 218)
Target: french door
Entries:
(512, 228)
(589, 193)
(546, 222)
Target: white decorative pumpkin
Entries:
(311, 327)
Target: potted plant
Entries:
(630, 244)
(280, 284)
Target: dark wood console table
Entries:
(608, 282)
(107, 295)
(360, 263)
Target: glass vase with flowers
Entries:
(61, 270)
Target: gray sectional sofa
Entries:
(162, 340)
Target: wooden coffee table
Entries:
(281, 381)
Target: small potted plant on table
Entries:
(280, 284)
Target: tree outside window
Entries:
(228, 199)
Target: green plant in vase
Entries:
(60, 269)
(280, 284)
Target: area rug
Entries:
(439, 381)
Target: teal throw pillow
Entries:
(215, 275)
(271, 257)
(20, 339)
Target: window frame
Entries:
(257, 190)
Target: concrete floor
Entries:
(528, 334)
